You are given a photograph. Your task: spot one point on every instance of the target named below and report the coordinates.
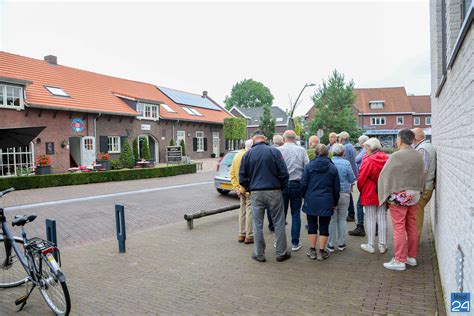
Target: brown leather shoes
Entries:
(248, 240)
(241, 238)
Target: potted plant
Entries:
(104, 160)
(43, 165)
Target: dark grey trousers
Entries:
(273, 201)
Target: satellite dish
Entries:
(320, 133)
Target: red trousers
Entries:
(405, 233)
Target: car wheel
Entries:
(224, 192)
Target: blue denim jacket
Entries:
(346, 175)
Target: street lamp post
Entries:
(292, 124)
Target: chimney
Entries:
(51, 59)
(204, 94)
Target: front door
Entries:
(87, 150)
(215, 143)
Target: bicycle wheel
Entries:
(54, 291)
(12, 272)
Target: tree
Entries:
(145, 149)
(183, 147)
(333, 102)
(172, 142)
(249, 94)
(127, 160)
(298, 128)
(267, 122)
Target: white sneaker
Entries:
(296, 247)
(411, 262)
(368, 248)
(382, 249)
(394, 265)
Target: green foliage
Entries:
(333, 101)
(54, 180)
(267, 122)
(135, 148)
(389, 150)
(298, 129)
(145, 149)
(172, 142)
(248, 94)
(115, 164)
(127, 159)
(183, 147)
(235, 128)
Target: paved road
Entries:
(86, 213)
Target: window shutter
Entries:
(103, 144)
(205, 144)
(195, 144)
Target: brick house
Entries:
(382, 112)
(452, 97)
(253, 115)
(85, 113)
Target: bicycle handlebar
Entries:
(2, 193)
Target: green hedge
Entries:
(235, 128)
(55, 180)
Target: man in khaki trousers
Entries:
(423, 146)
(245, 213)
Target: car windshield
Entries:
(228, 159)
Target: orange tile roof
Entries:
(420, 103)
(395, 100)
(88, 91)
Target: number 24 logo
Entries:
(457, 306)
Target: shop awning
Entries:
(17, 137)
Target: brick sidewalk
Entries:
(172, 270)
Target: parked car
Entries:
(222, 178)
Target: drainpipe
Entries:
(95, 126)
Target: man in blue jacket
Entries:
(263, 173)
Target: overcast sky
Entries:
(196, 46)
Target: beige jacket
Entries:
(403, 171)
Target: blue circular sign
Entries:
(77, 125)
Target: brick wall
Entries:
(453, 137)
(390, 121)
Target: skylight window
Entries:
(193, 112)
(279, 119)
(57, 91)
(167, 108)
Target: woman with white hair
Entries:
(369, 173)
(339, 217)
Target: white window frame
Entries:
(180, 137)
(376, 105)
(402, 122)
(23, 157)
(416, 120)
(3, 102)
(148, 111)
(113, 141)
(377, 120)
(426, 120)
(200, 142)
(196, 112)
(167, 108)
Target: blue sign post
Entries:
(120, 224)
(51, 234)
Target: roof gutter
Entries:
(71, 109)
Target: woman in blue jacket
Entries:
(320, 187)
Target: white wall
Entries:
(453, 137)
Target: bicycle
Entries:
(37, 260)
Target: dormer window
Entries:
(56, 91)
(148, 110)
(11, 97)
(279, 119)
(376, 105)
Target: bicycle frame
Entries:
(25, 257)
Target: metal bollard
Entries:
(120, 224)
(51, 234)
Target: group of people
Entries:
(282, 177)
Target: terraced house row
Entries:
(76, 114)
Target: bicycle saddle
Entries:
(21, 220)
